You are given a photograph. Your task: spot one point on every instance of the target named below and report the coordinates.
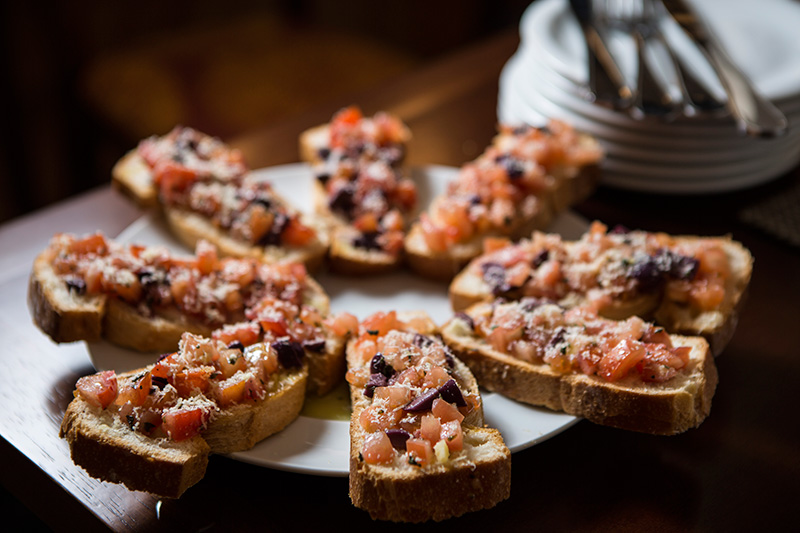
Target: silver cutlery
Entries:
(607, 85)
(755, 114)
(635, 17)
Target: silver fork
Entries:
(637, 18)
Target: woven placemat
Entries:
(778, 215)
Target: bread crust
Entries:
(132, 177)
(57, 311)
(664, 409)
(418, 496)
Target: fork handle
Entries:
(757, 115)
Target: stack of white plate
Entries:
(700, 154)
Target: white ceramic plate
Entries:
(760, 35)
(322, 446)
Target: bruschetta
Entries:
(360, 190)
(419, 450)
(153, 429)
(627, 374)
(690, 285)
(145, 298)
(525, 177)
(206, 191)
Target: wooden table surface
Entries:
(739, 471)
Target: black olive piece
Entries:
(374, 381)
(398, 438)
(76, 285)
(423, 402)
(290, 353)
(450, 393)
(367, 241)
(540, 258)
(236, 345)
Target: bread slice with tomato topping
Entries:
(690, 285)
(153, 429)
(627, 374)
(90, 287)
(419, 450)
(360, 190)
(517, 185)
(206, 191)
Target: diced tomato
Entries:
(296, 233)
(406, 194)
(342, 123)
(446, 412)
(342, 324)
(98, 389)
(192, 380)
(378, 449)
(259, 221)
(380, 323)
(245, 332)
(621, 359)
(433, 235)
(91, 244)
(231, 362)
(420, 451)
(435, 377)
(453, 435)
(589, 358)
(393, 396)
(172, 179)
(379, 417)
(430, 427)
(492, 244)
(136, 391)
(231, 391)
(366, 223)
(207, 258)
(182, 424)
(707, 293)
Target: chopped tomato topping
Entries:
(297, 234)
(182, 424)
(136, 391)
(378, 449)
(420, 452)
(98, 389)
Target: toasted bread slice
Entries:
(190, 228)
(132, 439)
(358, 191)
(630, 273)
(520, 182)
(63, 308)
(402, 486)
(203, 162)
(627, 401)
